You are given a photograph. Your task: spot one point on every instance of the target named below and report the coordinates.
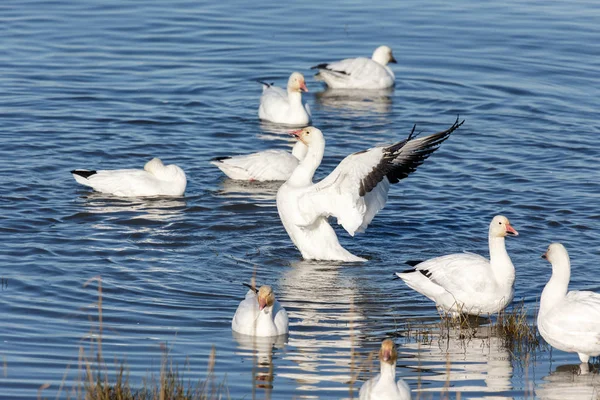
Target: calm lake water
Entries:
(110, 84)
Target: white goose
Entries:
(467, 283)
(285, 107)
(569, 321)
(259, 314)
(359, 73)
(384, 386)
(156, 179)
(268, 165)
(354, 192)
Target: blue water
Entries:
(110, 84)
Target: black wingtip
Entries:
(220, 158)
(251, 287)
(320, 66)
(83, 173)
(413, 263)
(265, 83)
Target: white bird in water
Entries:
(268, 165)
(467, 283)
(354, 192)
(259, 314)
(568, 321)
(156, 179)
(384, 386)
(359, 73)
(285, 106)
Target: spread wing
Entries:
(357, 189)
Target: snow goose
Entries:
(354, 192)
(285, 107)
(384, 386)
(268, 165)
(569, 321)
(259, 314)
(359, 73)
(156, 179)
(467, 283)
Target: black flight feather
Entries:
(265, 83)
(83, 173)
(413, 263)
(251, 287)
(220, 158)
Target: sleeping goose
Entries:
(353, 193)
(384, 386)
(285, 107)
(156, 179)
(569, 321)
(359, 73)
(259, 314)
(467, 283)
(267, 165)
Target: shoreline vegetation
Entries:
(514, 327)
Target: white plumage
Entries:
(467, 283)
(384, 386)
(353, 193)
(259, 314)
(359, 73)
(569, 321)
(285, 106)
(156, 179)
(268, 165)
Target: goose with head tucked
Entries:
(353, 193)
(259, 314)
(359, 73)
(285, 106)
(467, 283)
(568, 321)
(156, 179)
(267, 165)
(384, 386)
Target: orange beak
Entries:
(545, 255)
(511, 231)
(262, 303)
(387, 354)
(303, 87)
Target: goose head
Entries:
(296, 83)
(556, 254)
(383, 55)
(500, 227)
(309, 135)
(266, 299)
(387, 352)
(164, 172)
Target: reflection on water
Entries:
(152, 208)
(359, 102)
(258, 191)
(568, 383)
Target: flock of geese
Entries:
(353, 193)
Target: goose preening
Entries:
(285, 106)
(467, 283)
(156, 179)
(259, 314)
(384, 386)
(267, 165)
(569, 321)
(353, 193)
(359, 73)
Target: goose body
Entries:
(568, 321)
(359, 73)
(467, 283)
(259, 314)
(285, 106)
(267, 165)
(384, 386)
(156, 179)
(353, 193)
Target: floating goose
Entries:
(285, 107)
(354, 192)
(268, 165)
(467, 283)
(569, 321)
(156, 179)
(259, 314)
(359, 73)
(383, 386)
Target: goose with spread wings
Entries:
(353, 193)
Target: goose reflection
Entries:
(358, 102)
(570, 382)
(243, 190)
(464, 363)
(262, 351)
